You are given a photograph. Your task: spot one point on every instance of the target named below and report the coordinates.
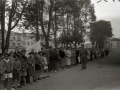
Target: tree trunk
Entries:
(37, 29)
(55, 32)
(55, 40)
(9, 27)
(67, 23)
(47, 41)
(3, 24)
(49, 24)
(63, 33)
(8, 36)
(75, 44)
(42, 26)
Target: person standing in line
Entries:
(45, 65)
(32, 50)
(16, 51)
(83, 56)
(96, 53)
(62, 57)
(8, 71)
(106, 52)
(74, 57)
(91, 54)
(52, 59)
(23, 55)
(101, 53)
(44, 50)
(2, 70)
(16, 71)
(57, 59)
(41, 64)
(69, 57)
(88, 54)
(23, 70)
(31, 65)
(37, 66)
(11, 57)
(77, 56)
(66, 57)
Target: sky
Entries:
(109, 11)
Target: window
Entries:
(28, 43)
(19, 44)
(13, 44)
(18, 38)
(32, 43)
(24, 43)
(13, 38)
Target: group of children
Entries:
(15, 66)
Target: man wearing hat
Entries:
(83, 54)
(8, 72)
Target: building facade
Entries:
(115, 43)
(21, 40)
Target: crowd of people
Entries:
(17, 66)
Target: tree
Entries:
(42, 8)
(32, 20)
(99, 32)
(78, 14)
(62, 14)
(2, 21)
(11, 11)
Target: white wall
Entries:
(115, 44)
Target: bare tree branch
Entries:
(19, 16)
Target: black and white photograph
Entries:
(59, 44)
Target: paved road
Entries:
(101, 74)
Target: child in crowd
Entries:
(16, 71)
(2, 69)
(8, 72)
